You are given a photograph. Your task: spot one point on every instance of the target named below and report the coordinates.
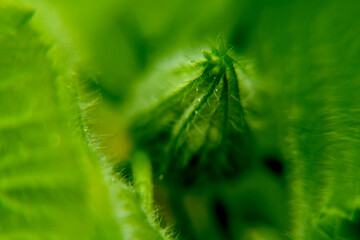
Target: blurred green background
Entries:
(297, 67)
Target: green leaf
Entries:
(50, 186)
(308, 98)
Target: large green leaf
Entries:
(308, 99)
(50, 187)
